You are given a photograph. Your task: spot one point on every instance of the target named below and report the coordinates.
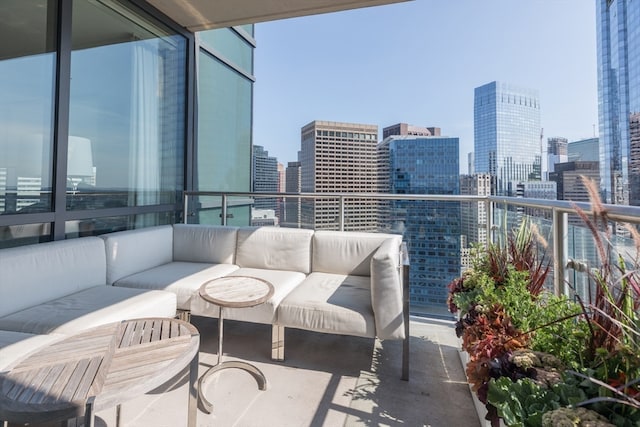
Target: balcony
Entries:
(330, 380)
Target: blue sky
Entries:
(419, 62)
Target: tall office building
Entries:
(474, 214)
(385, 221)
(339, 157)
(507, 135)
(584, 150)
(618, 33)
(568, 178)
(634, 159)
(265, 177)
(407, 129)
(471, 167)
(557, 152)
(282, 185)
(427, 165)
(293, 184)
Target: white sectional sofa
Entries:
(51, 290)
(334, 282)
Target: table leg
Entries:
(253, 370)
(89, 416)
(193, 392)
(220, 336)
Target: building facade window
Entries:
(27, 82)
(93, 131)
(225, 99)
(126, 111)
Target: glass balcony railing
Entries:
(439, 230)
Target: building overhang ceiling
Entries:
(198, 15)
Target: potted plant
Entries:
(539, 359)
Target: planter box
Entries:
(481, 410)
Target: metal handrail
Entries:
(559, 209)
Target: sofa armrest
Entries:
(387, 292)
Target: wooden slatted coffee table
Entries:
(98, 369)
(233, 292)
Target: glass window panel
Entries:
(27, 75)
(97, 226)
(127, 109)
(24, 234)
(231, 46)
(224, 128)
(248, 28)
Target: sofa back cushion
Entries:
(274, 248)
(212, 244)
(345, 252)
(132, 251)
(31, 275)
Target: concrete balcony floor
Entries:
(326, 380)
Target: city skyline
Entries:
(419, 62)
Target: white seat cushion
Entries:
(340, 252)
(283, 283)
(204, 243)
(16, 345)
(333, 303)
(133, 251)
(35, 274)
(91, 307)
(182, 278)
(274, 248)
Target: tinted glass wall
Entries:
(126, 110)
(225, 96)
(27, 82)
(93, 131)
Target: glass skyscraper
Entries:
(426, 165)
(618, 30)
(265, 177)
(507, 135)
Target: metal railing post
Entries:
(185, 212)
(559, 251)
(341, 214)
(488, 205)
(224, 210)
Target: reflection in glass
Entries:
(231, 46)
(224, 128)
(97, 226)
(27, 74)
(126, 118)
(24, 234)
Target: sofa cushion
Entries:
(204, 243)
(16, 345)
(283, 283)
(90, 307)
(333, 303)
(340, 252)
(274, 248)
(31, 275)
(386, 291)
(182, 278)
(132, 251)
